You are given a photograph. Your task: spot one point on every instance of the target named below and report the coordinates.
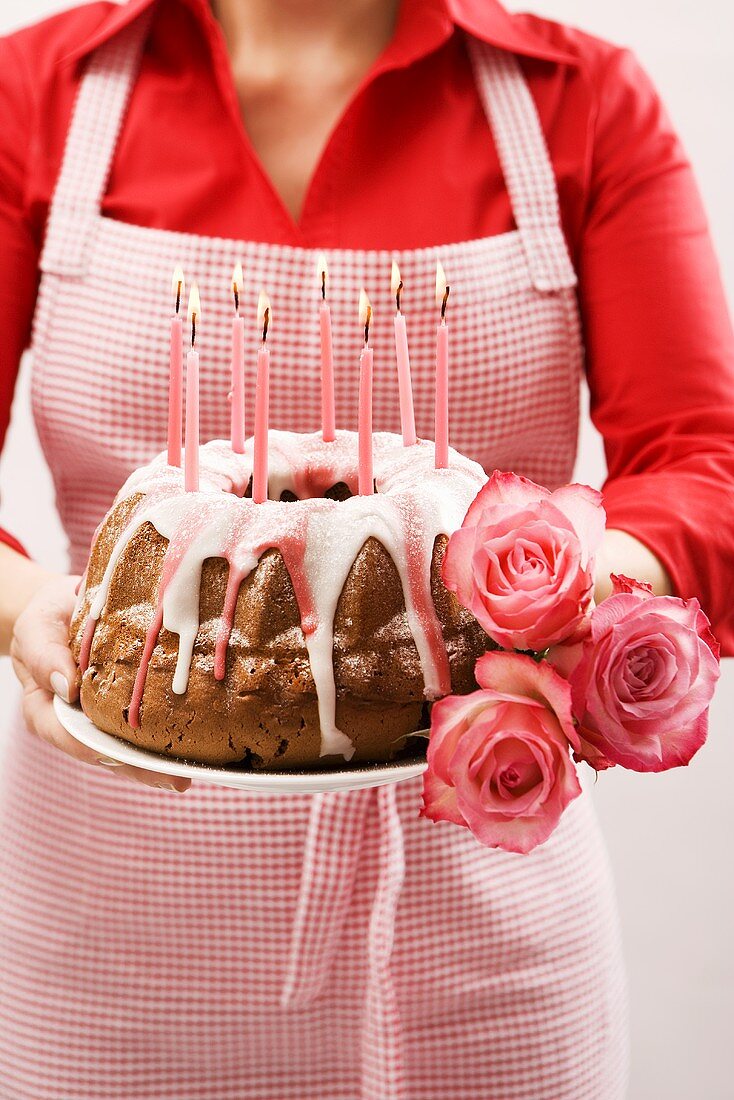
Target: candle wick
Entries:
(323, 286)
(398, 295)
(445, 302)
(178, 297)
(193, 330)
(266, 320)
(236, 293)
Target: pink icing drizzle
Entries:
(175, 553)
(151, 638)
(86, 645)
(420, 560)
(292, 547)
(306, 466)
(291, 543)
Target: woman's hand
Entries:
(622, 553)
(45, 667)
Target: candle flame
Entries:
(194, 313)
(194, 303)
(264, 313)
(323, 272)
(442, 288)
(238, 280)
(365, 313)
(178, 286)
(396, 284)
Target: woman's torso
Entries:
(100, 386)
(228, 947)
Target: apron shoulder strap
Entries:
(100, 109)
(525, 162)
(96, 122)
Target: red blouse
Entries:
(660, 349)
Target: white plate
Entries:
(346, 778)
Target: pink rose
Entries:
(644, 681)
(523, 561)
(498, 759)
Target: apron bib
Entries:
(230, 947)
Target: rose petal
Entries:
(456, 569)
(439, 800)
(611, 611)
(565, 658)
(475, 758)
(589, 754)
(517, 674)
(583, 506)
(450, 718)
(622, 584)
(522, 834)
(504, 488)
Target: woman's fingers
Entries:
(44, 665)
(153, 779)
(41, 719)
(41, 639)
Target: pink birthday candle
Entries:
(237, 411)
(366, 475)
(442, 373)
(328, 415)
(405, 388)
(262, 405)
(175, 374)
(191, 452)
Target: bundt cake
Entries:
(291, 634)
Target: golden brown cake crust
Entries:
(264, 713)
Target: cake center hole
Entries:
(340, 491)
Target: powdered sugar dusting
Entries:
(318, 538)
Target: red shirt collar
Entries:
(422, 26)
(490, 22)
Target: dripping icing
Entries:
(414, 505)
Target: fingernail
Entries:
(107, 763)
(60, 686)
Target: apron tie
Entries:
(330, 861)
(330, 866)
(383, 1076)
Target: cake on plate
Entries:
(301, 632)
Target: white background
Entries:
(669, 836)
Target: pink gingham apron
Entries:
(218, 946)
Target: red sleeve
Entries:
(18, 248)
(660, 346)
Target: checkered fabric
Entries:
(220, 946)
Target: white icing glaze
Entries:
(318, 538)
